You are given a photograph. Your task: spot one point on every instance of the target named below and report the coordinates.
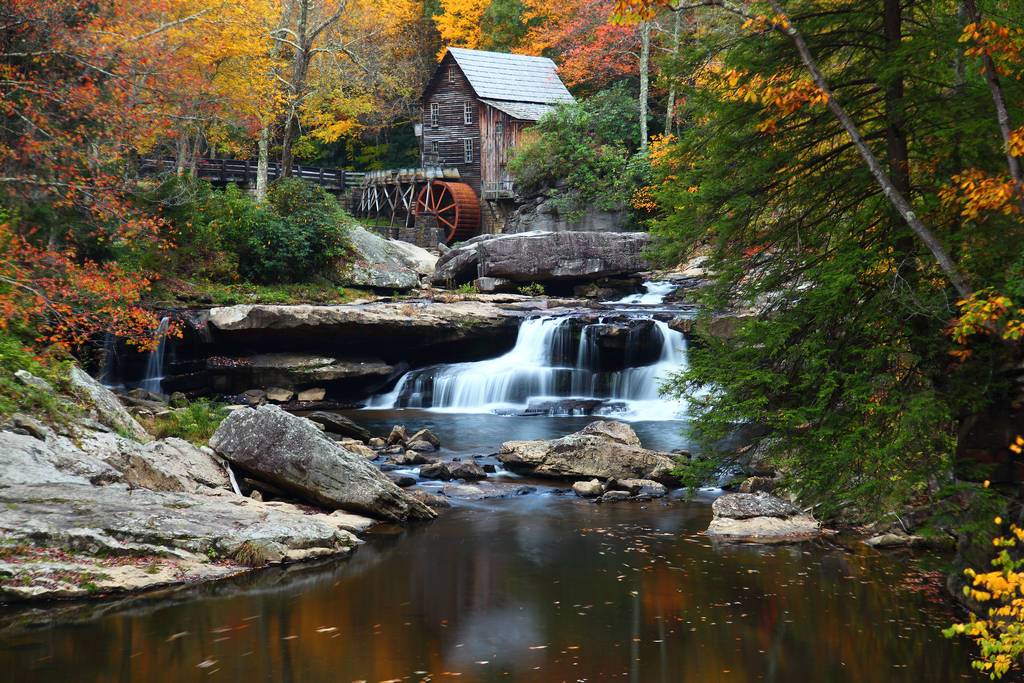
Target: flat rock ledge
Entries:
(760, 518)
(86, 511)
(69, 540)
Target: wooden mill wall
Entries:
(452, 129)
(497, 149)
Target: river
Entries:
(539, 587)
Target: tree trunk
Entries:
(193, 162)
(895, 197)
(995, 88)
(263, 164)
(180, 154)
(670, 106)
(895, 137)
(291, 134)
(645, 59)
(300, 66)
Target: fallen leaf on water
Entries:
(174, 637)
(206, 663)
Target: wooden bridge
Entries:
(243, 173)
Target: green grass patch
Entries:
(174, 292)
(195, 423)
(16, 396)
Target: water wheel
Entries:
(454, 206)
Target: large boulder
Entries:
(89, 456)
(173, 465)
(29, 460)
(544, 257)
(601, 450)
(760, 518)
(107, 406)
(381, 263)
(292, 454)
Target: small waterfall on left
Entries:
(108, 363)
(154, 376)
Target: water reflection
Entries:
(533, 589)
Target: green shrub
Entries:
(224, 235)
(18, 397)
(191, 206)
(532, 289)
(584, 153)
(196, 422)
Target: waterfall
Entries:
(551, 366)
(654, 294)
(108, 364)
(155, 363)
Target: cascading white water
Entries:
(151, 381)
(546, 366)
(654, 293)
(108, 364)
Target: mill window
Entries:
(451, 74)
(467, 148)
(435, 114)
(467, 112)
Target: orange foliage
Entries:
(976, 193)
(577, 33)
(1004, 45)
(781, 94)
(66, 301)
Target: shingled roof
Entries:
(511, 78)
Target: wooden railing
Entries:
(243, 172)
(499, 189)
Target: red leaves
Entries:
(69, 302)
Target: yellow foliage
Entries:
(1000, 633)
(781, 94)
(460, 22)
(975, 193)
(987, 312)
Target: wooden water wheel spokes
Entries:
(453, 205)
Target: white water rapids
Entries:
(558, 366)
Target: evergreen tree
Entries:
(849, 364)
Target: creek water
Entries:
(541, 587)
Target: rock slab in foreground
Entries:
(92, 539)
(602, 450)
(760, 518)
(544, 257)
(291, 453)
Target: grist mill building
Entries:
(474, 110)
